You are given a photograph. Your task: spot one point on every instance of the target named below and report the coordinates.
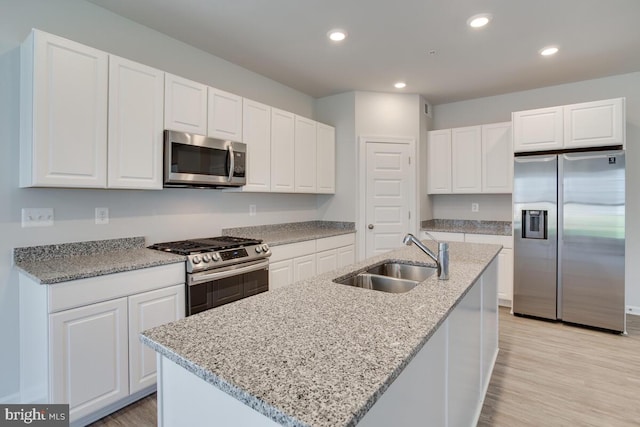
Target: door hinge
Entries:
(409, 160)
(409, 214)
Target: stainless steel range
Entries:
(221, 269)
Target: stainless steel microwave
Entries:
(192, 160)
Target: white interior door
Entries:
(387, 196)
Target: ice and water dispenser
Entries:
(534, 224)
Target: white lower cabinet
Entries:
(304, 267)
(280, 273)
(505, 257)
(89, 356)
(79, 339)
(299, 261)
(148, 310)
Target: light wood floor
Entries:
(547, 374)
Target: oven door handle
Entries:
(198, 278)
(232, 164)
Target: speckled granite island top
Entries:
(51, 264)
(317, 353)
(499, 228)
(282, 234)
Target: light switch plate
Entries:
(475, 207)
(37, 217)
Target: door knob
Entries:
(370, 226)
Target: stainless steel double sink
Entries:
(389, 276)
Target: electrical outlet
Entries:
(252, 210)
(102, 216)
(475, 207)
(37, 217)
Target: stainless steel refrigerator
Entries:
(569, 237)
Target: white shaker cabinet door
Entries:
(304, 267)
(593, 124)
(224, 115)
(326, 159)
(537, 130)
(466, 155)
(326, 261)
(257, 135)
(136, 99)
(148, 310)
(185, 105)
(280, 273)
(439, 162)
(346, 255)
(497, 158)
(89, 356)
(282, 151)
(63, 113)
(305, 155)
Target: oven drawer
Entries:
(207, 290)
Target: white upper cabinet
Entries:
(326, 159)
(185, 105)
(472, 159)
(439, 161)
(537, 130)
(466, 159)
(224, 115)
(497, 158)
(282, 151)
(589, 124)
(595, 124)
(257, 136)
(63, 135)
(305, 155)
(136, 94)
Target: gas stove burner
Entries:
(215, 252)
(208, 244)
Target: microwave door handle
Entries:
(231, 163)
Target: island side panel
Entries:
(185, 399)
(418, 395)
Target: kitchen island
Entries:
(317, 353)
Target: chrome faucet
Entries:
(441, 260)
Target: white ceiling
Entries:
(390, 40)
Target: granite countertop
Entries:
(51, 264)
(319, 353)
(499, 228)
(282, 234)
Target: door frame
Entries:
(361, 223)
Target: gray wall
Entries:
(158, 215)
(499, 108)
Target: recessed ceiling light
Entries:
(400, 85)
(478, 21)
(549, 50)
(337, 35)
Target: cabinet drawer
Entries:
(506, 241)
(80, 292)
(279, 253)
(335, 242)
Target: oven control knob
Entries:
(206, 258)
(196, 259)
(258, 249)
(265, 248)
(215, 257)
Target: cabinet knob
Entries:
(370, 226)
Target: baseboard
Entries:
(503, 302)
(95, 416)
(10, 399)
(633, 310)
